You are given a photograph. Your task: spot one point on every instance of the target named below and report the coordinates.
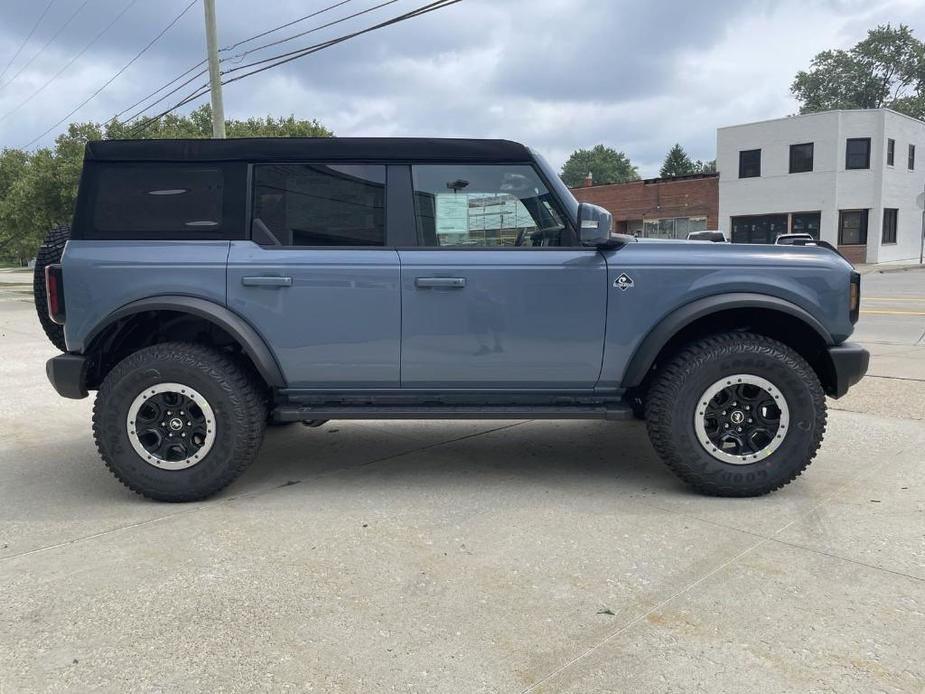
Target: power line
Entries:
(295, 55)
(121, 70)
(284, 26)
(203, 62)
(310, 31)
(28, 36)
(283, 58)
(47, 44)
(70, 62)
(158, 90)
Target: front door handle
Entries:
(267, 281)
(448, 282)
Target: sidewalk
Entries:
(866, 268)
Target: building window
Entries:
(852, 228)
(673, 227)
(805, 223)
(801, 158)
(889, 225)
(890, 152)
(911, 157)
(857, 153)
(750, 163)
(319, 205)
(758, 228)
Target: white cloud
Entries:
(556, 74)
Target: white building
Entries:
(854, 178)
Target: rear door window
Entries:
(319, 205)
(144, 200)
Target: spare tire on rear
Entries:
(49, 254)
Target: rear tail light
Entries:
(854, 297)
(54, 293)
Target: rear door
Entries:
(316, 279)
(497, 294)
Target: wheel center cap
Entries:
(737, 417)
(175, 424)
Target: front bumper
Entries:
(849, 364)
(67, 373)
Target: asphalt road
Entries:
(469, 556)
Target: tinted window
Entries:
(890, 152)
(911, 157)
(482, 206)
(319, 205)
(889, 225)
(852, 227)
(801, 158)
(750, 163)
(758, 228)
(857, 153)
(806, 223)
(146, 199)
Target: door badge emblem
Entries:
(623, 282)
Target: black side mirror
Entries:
(594, 225)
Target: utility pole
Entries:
(215, 76)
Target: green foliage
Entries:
(38, 189)
(606, 165)
(887, 69)
(677, 163)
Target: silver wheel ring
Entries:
(153, 460)
(734, 380)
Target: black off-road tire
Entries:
(49, 253)
(672, 403)
(236, 398)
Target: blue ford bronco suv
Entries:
(208, 288)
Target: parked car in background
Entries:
(209, 287)
(708, 235)
(793, 239)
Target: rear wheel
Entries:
(736, 414)
(178, 422)
(49, 253)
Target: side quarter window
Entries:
(485, 206)
(319, 205)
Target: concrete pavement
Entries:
(466, 556)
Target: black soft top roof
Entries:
(308, 148)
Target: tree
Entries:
(38, 189)
(705, 166)
(887, 69)
(605, 164)
(677, 163)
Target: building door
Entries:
(852, 234)
(758, 228)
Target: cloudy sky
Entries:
(556, 74)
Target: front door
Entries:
(497, 295)
(317, 281)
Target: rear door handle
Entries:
(267, 281)
(449, 282)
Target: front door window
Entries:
(485, 206)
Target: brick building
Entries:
(659, 207)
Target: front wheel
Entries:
(178, 422)
(736, 414)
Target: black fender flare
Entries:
(681, 317)
(250, 340)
